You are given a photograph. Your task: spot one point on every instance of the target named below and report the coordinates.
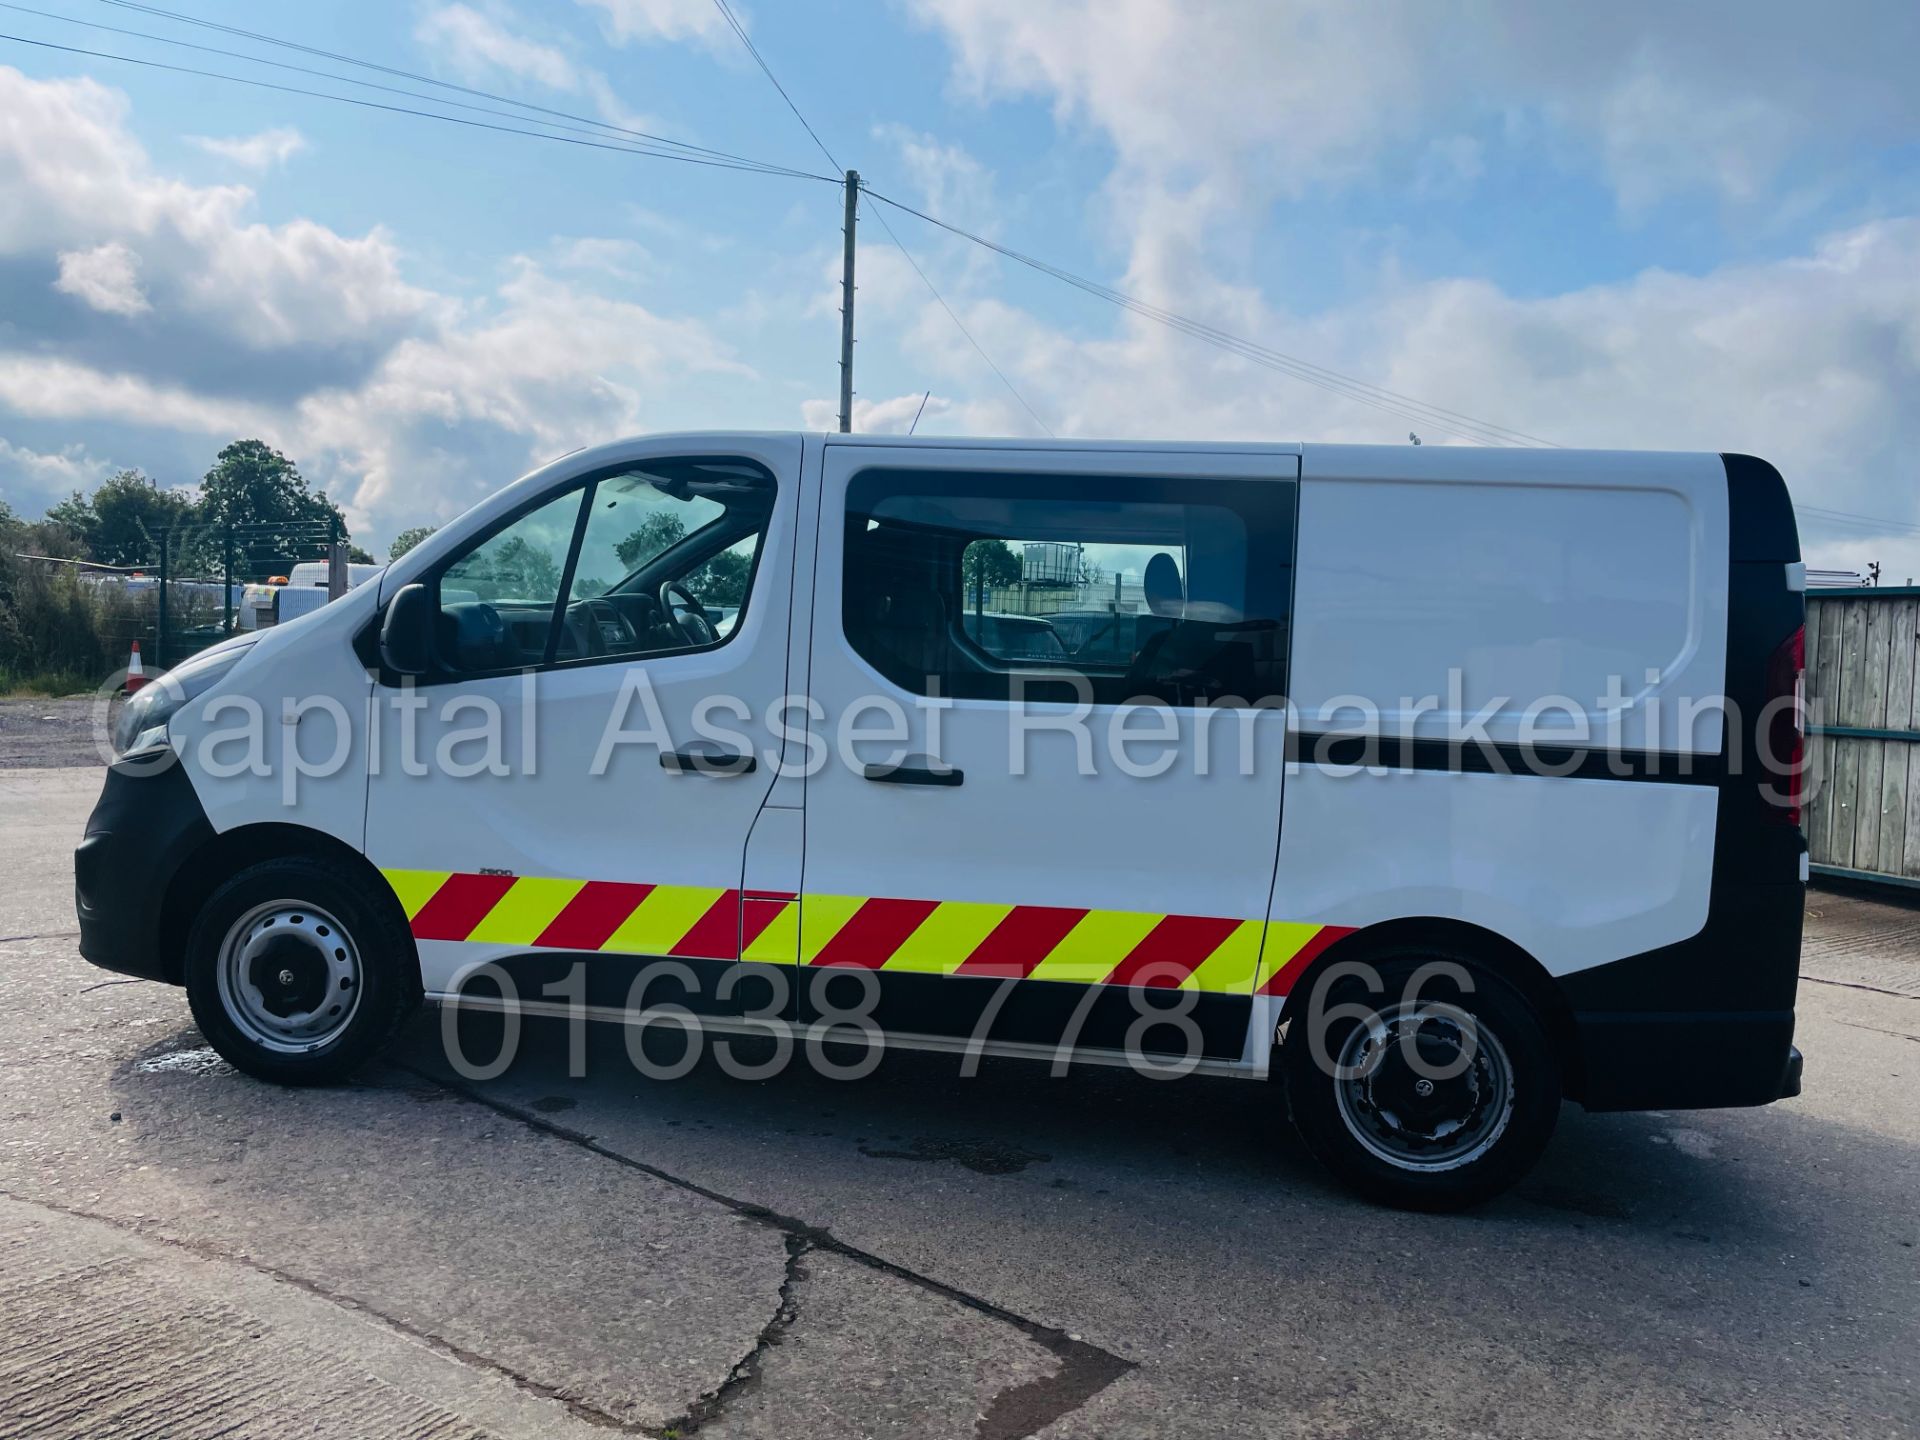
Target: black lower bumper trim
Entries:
(1790, 1082)
(139, 835)
(1690, 1060)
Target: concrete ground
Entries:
(185, 1252)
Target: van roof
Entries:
(1417, 457)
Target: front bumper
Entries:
(146, 825)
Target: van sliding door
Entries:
(1050, 687)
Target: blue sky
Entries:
(1636, 225)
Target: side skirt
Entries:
(1161, 1066)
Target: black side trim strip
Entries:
(1032, 1012)
(1499, 757)
(1040, 1012)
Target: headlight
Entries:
(143, 720)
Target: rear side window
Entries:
(1050, 587)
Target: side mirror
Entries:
(406, 635)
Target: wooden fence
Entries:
(1863, 775)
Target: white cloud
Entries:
(1276, 96)
(255, 152)
(299, 300)
(616, 256)
(32, 479)
(879, 417)
(475, 42)
(668, 20)
(106, 277)
(52, 389)
(406, 404)
(947, 177)
(551, 368)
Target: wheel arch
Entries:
(1489, 949)
(225, 854)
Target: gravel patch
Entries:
(38, 732)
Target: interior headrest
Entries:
(1165, 594)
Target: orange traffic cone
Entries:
(136, 672)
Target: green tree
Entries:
(407, 539)
(514, 570)
(72, 521)
(130, 511)
(658, 532)
(985, 564)
(723, 579)
(253, 485)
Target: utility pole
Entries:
(846, 306)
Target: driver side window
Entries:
(665, 559)
(497, 601)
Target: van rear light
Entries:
(1784, 735)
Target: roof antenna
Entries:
(917, 414)
(1413, 437)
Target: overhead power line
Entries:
(751, 167)
(1851, 520)
(1000, 374)
(591, 133)
(1435, 417)
(595, 128)
(733, 21)
(265, 39)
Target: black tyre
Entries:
(296, 973)
(1435, 1089)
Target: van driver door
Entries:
(542, 798)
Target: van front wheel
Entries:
(294, 974)
(1434, 1089)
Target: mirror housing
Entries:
(406, 635)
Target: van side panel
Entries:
(1442, 590)
(1575, 872)
(1457, 588)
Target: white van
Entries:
(310, 573)
(1426, 781)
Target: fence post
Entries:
(160, 618)
(226, 577)
(336, 570)
(336, 561)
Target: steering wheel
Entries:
(597, 629)
(690, 619)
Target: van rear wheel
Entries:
(1435, 1089)
(295, 974)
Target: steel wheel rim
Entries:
(1459, 1119)
(289, 977)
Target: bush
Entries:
(54, 632)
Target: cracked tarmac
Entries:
(186, 1252)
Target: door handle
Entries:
(915, 774)
(707, 762)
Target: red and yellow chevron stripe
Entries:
(929, 937)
